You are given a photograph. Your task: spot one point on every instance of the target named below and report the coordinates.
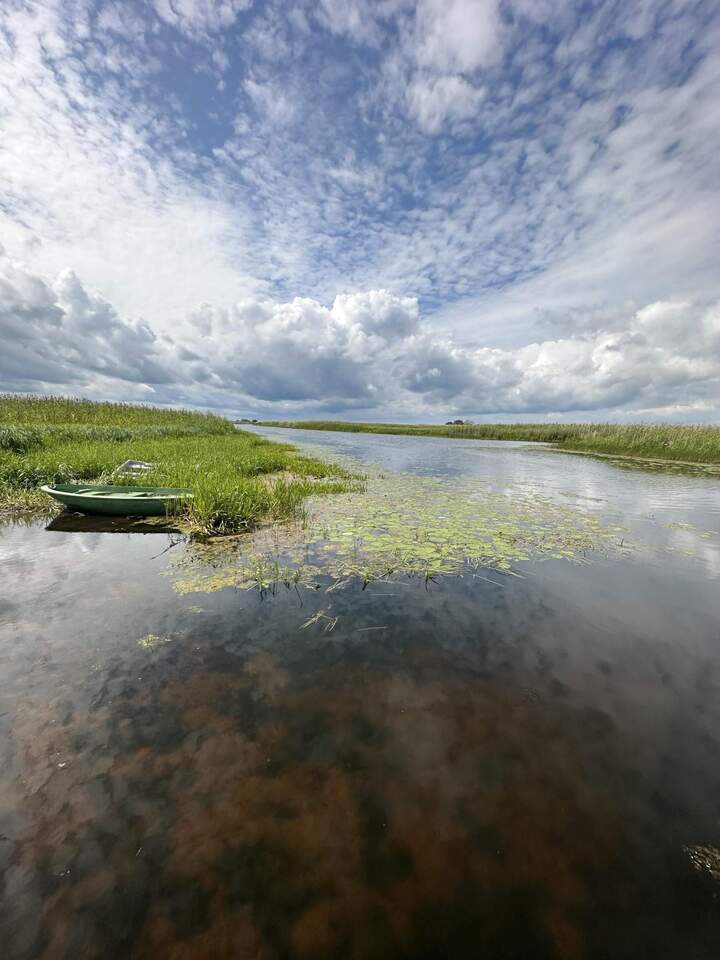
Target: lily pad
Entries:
(425, 526)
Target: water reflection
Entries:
(69, 522)
(521, 768)
(626, 488)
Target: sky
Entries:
(364, 209)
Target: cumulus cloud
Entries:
(58, 334)
(367, 351)
(528, 189)
(302, 350)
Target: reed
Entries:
(238, 479)
(44, 411)
(695, 444)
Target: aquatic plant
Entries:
(321, 616)
(403, 524)
(152, 640)
(705, 860)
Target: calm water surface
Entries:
(523, 768)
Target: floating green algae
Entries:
(425, 526)
(152, 640)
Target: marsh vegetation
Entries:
(405, 525)
(238, 479)
(693, 444)
(454, 696)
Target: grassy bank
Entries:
(238, 479)
(664, 442)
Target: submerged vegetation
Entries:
(402, 525)
(693, 444)
(237, 479)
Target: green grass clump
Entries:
(694, 444)
(238, 479)
(17, 439)
(406, 525)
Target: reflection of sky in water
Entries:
(650, 504)
(628, 491)
(462, 769)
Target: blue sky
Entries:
(392, 209)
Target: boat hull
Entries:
(117, 500)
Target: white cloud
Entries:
(436, 101)
(361, 20)
(377, 313)
(198, 17)
(81, 185)
(367, 351)
(441, 44)
(348, 17)
(271, 100)
(457, 36)
(59, 335)
(544, 182)
(447, 36)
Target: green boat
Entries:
(117, 500)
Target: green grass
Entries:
(30, 410)
(695, 444)
(238, 479)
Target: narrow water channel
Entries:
(512, 759)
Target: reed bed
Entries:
(44, 411)
(692, 444)
(238, 479)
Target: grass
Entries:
(29, 410)
(693, 444)
(238, 479)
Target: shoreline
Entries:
(697, 447)
(712, 469)
(238, 479)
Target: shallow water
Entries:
(473, 765)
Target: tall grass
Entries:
(238, 479)
(698, 444)
(45, 411)
(19, 439)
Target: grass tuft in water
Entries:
(418, 526)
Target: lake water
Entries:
(501, 763)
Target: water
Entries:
(483, 765)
